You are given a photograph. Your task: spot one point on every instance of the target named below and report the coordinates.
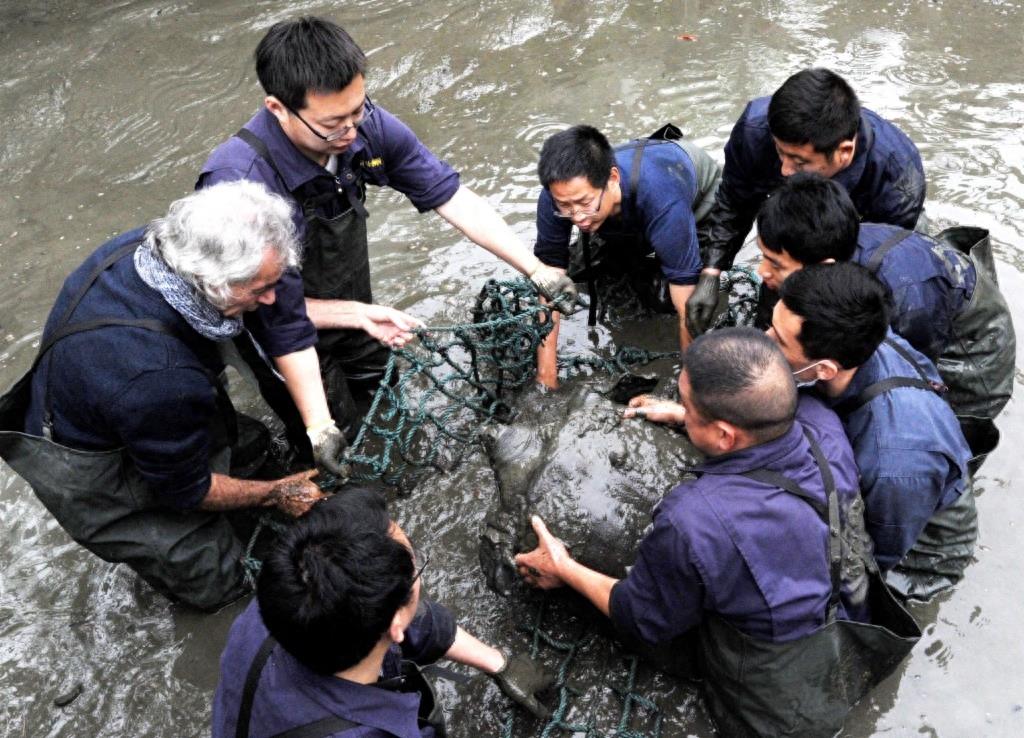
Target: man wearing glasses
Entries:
(339, 627)
(319, 141)
(636, 208)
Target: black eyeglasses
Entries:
(419, 560)
(582, 212)
(358, 118)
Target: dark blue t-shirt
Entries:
(662, 218)
(385, 153)
(753, 554)
(131, 387)
(290, 695)
(931, 284)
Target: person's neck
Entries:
(839, 383)
(367, 671)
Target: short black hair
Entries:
(580, 151)
(812, 218)
(334, 580)
(740, 375)
(814, 106)
(845, 309)
(304, 55)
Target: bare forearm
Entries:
(301, 372)
(593, 585)
(471, 651)
(547, 355)
(481, 224)
(333, 314)
(230, 493)
(679, 295)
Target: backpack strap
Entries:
(921, 381)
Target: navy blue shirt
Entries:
(931, 284)
(910, 451)
(885, 179)
(663, 217)
(725, 544)
(385, 153)
(290, 695)
(130, 387)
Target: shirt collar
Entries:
(295, 167)
(761, 456)
(850, 176)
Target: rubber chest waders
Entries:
(806, 687)
(335, 266)
(103, 503)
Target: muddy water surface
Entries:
(109, 109)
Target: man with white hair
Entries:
(122, 426)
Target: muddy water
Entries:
(109, 108)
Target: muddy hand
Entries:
(541, 567)
(296, 494)
(655, 409)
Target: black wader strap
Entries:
(591, 279)
(829, 514)
(317, 729)
(876, 258)
(260, 147)
(922, 381)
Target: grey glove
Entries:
(557, 288)
(701, 305)
(520, 679)
(328, 445)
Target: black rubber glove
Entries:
(521, 678)
(701, 305)
(557, 288)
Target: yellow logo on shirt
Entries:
(373, 163)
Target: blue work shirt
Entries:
(128, 387)
(753, 554)
(385, 153)
(290, 695)
(931, 284)
(910, 451)
(885, 180)
(663, 217)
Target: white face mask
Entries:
(808, 382)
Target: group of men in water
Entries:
(839, 433)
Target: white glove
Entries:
(328, 445)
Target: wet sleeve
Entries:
(552, 245)
(900, 199)
(923, 314)
(430, 634)
(410, 167)
(736, 201)
(902, 489)
(283, 327)
(672, 234)
(163, 418)
(663, 595)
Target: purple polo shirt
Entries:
(754, 554)
(385, 153)
(290, 695)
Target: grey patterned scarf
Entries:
(183, 297)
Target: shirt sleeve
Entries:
(672, 234)
(410, 167)
(902, 489)
(430, 634)
(900, 200)
(553, 234)
(284, 327)
(663, 595)
(163, 419)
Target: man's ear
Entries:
(727, 436)
(843, 155)
(396, 630)
(614, 175)
(276, 107)
(827, 370)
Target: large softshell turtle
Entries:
(591, 475)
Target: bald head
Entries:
(739, 376)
